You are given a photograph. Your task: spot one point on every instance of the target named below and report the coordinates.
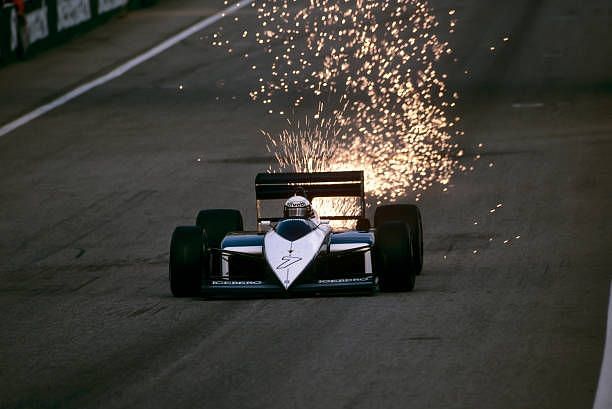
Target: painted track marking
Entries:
(122, 69)
(603, 398)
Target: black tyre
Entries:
(393, 257)
(187, 261)
(216, 223)
(411, 215)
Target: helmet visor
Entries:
(296, 212)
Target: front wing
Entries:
(333, 273)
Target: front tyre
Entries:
(187, 260)
(393, 257)
(410, 215)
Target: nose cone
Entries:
(288, 259)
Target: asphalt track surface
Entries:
(90, 193)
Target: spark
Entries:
(370, 70)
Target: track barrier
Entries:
(30, 26)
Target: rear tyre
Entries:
(187, 260)
(216, 223)
(411, 215)
(393, 256)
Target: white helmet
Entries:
(298, 207)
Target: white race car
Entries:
(299, 252)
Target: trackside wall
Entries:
(46, 23)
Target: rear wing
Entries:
(269, 186)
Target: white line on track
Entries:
(122, 69)
(603, 398)
(527, 105)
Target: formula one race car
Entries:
(300, 252)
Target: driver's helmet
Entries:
(298, 207)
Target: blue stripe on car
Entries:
(352, 237)
(242, 240)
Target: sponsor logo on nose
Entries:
(288, 261)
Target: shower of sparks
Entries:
(307, 147)
(369, 68)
